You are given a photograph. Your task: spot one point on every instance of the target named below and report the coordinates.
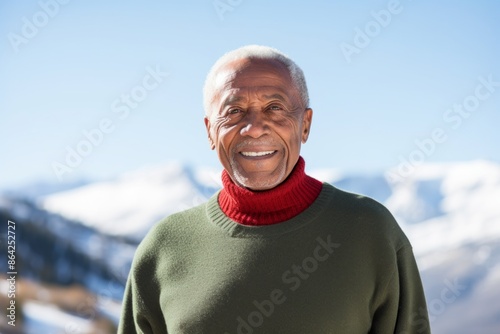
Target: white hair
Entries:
(254, 52)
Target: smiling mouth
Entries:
(257, 154)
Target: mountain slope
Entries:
(129, 205)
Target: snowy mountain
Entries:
(445, 206)
(450, 212)
(34, 190)
(129, 205)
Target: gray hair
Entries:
(254, 52)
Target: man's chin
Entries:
(259, 181)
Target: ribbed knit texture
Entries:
(272, 206)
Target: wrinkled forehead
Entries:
(260, 71)
(252, 74)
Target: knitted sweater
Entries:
(341, 266)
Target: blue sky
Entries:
(381, 75)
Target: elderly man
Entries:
(274, 251)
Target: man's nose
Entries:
(255, 124)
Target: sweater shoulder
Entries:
(170, 230)
(354, 203)
(369, 216)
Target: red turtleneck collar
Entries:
(276, 205)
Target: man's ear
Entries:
(208, 127)
(306, 124)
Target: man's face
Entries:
(257, 122)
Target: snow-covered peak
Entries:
(439, 189)
(129, 205)
(448, 205)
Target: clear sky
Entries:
(381, 74)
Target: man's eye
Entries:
(275, 107)
(234, 111)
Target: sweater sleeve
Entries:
(141, 312)
(403, 309)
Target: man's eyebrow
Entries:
(275, 96)
(231, 99)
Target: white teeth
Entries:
(256, 154)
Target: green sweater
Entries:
(341, 266)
